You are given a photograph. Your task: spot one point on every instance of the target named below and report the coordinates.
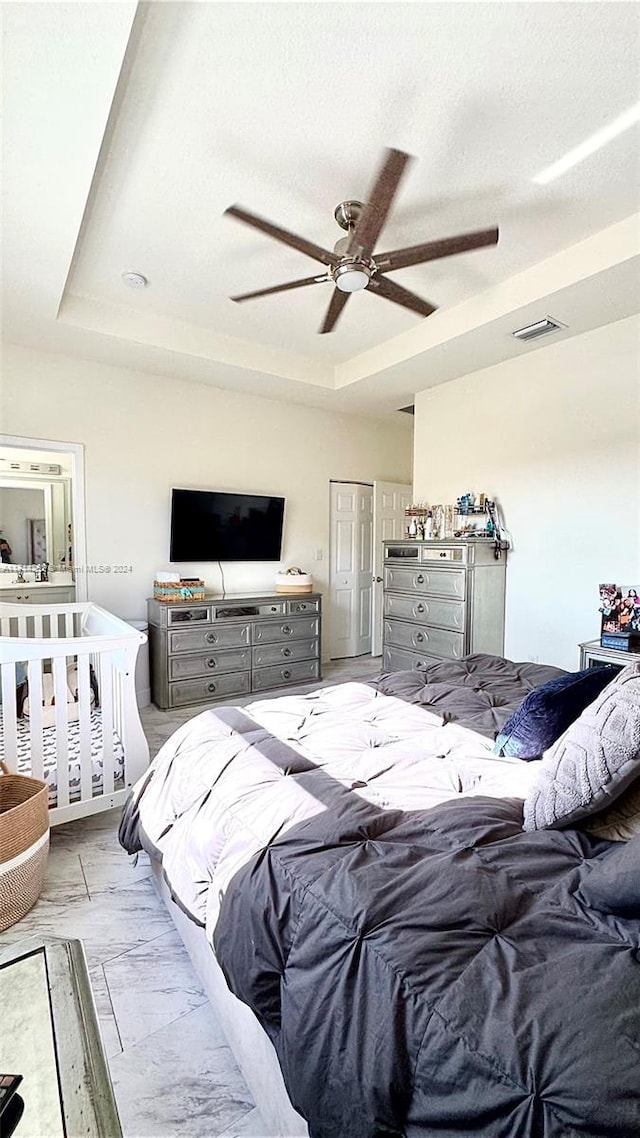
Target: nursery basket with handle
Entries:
(24, 843)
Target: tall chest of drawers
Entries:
(442, 601)
(202, 651)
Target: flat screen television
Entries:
(208, 525)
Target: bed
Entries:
(352, 864)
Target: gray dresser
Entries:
(202, 651)
(442, 600)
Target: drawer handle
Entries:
(420, 579)
(286, 630)
(286, 651)
(443, 554)
(211, 662)
(419, 608)
(419, 637)
(211, 687)
(211, 638)
(286, 673)
(188, 615)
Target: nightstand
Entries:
(592, 655)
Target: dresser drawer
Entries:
(399, 660)
(438, 582)
(199, 639)
(418, 638)
(271, 631)
(197, 691)
(190, 615)
(282, 674)
(279, 653)
(303, 606)
(426, 610)
(186, 667)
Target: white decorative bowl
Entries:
(294, 583)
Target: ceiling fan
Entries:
(353, 265)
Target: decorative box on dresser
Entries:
(201, 651)
(442, 600)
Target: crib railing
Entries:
(38, 641)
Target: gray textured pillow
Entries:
(593, 762)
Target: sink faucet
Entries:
(20, 578)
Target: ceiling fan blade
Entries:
(281, 288)
(291, 239)
(382, 286)
(374, 214)
(338, 301)
(432, 250)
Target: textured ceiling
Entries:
(286, 109)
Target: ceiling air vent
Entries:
(540, 328)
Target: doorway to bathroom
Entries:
(42, 510)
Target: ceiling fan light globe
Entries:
(352, 279)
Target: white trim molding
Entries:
(78, 516)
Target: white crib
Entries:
(90, 752)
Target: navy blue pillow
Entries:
(549, 710)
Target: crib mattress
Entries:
(50, 772)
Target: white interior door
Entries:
(351, 571)
(390, 499)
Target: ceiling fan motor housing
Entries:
(351, 275)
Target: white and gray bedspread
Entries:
(218, 790)
(421, 965)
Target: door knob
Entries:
(377, 580)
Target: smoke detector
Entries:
(135, 280)
(540, 328)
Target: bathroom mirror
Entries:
(34, 522)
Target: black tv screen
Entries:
(207, 525)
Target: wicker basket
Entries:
(24, 843)
(178, 592)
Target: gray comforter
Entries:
(422, 966)
(433, 973)
(480, 692)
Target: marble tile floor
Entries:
(172, 1071)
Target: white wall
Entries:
(144, 434)
(555, 437)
